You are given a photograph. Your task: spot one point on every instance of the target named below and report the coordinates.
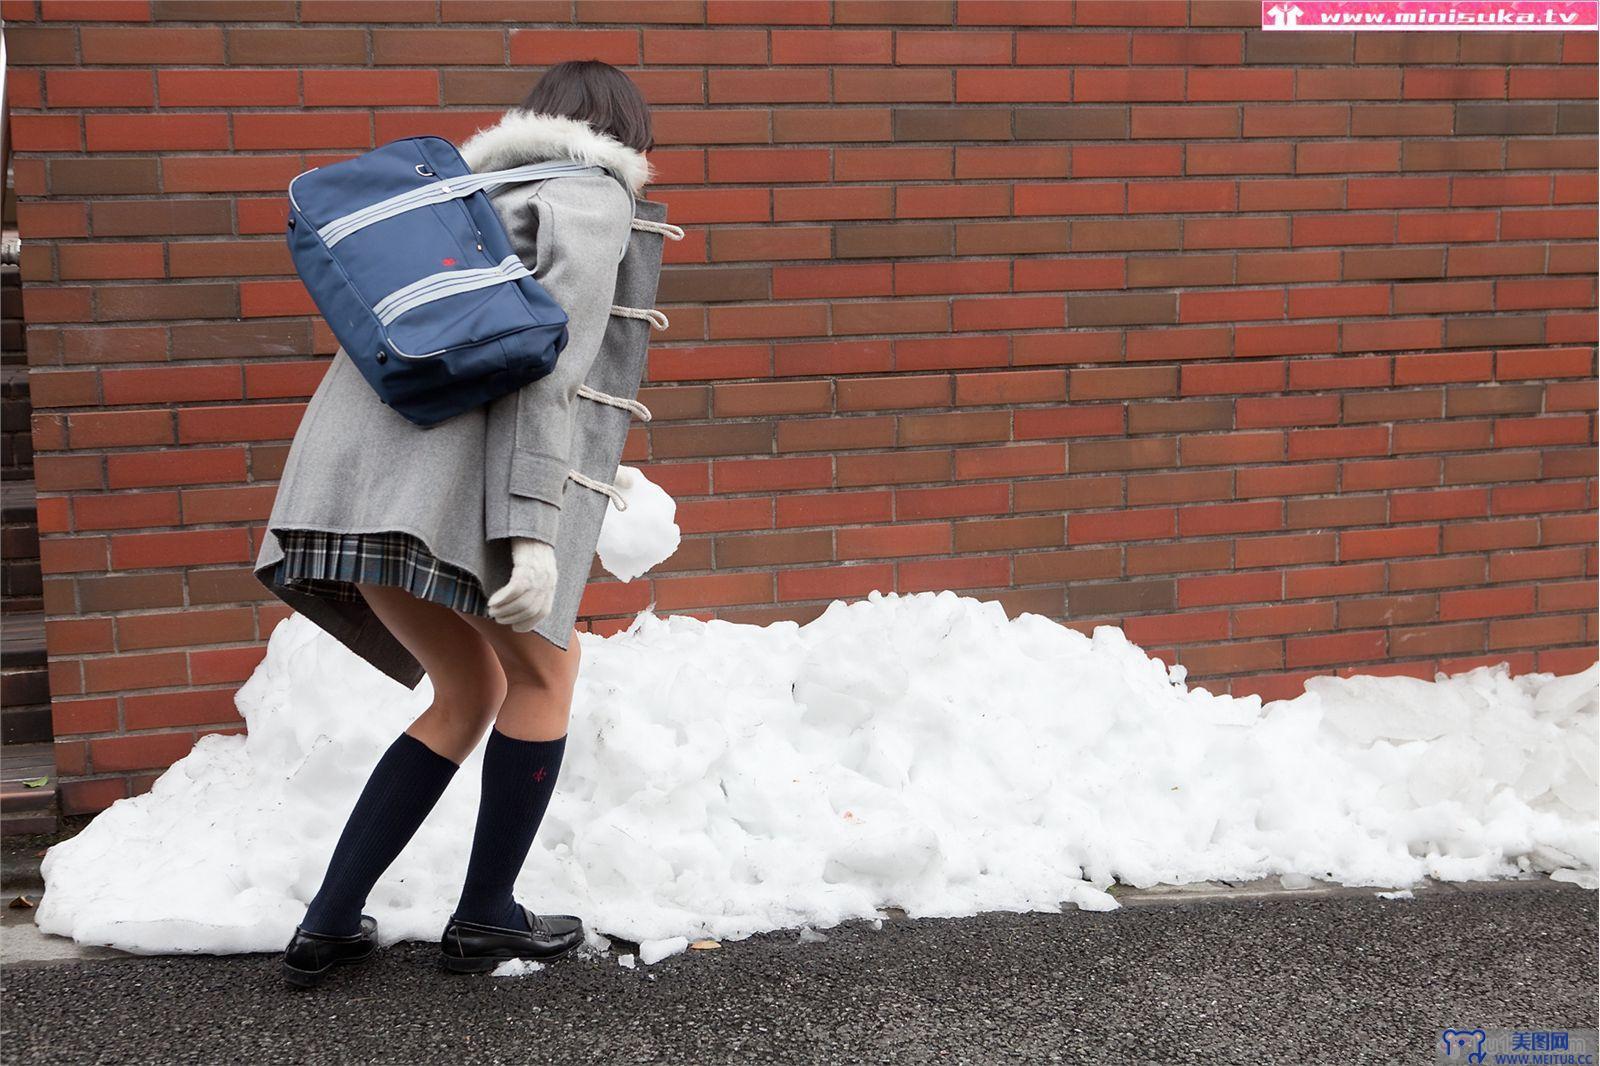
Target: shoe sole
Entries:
(298, 978)
(485, 963)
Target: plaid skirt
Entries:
(326, 564)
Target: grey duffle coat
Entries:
(535, 463)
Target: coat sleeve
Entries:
(578, 225)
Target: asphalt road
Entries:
(1341, 979)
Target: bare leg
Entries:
(412, 773)
(468, 683)
(539, 678)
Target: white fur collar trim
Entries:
(530, 137)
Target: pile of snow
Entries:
(924, 752)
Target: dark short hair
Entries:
(596, 93)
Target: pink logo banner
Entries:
(1456, 15)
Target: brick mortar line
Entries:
(888, 378)
(955, 519)
(1138, 614)
(1017, 32)
(869, 374)
(1248, 535)
(952, 259)
(849, 414)
(954, 374)
(1245, 289)
(1486, 587)
(43, 493)
(686, 345)
(961, 519)
(974, 371)
(379, 110)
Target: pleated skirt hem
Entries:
(325, 563)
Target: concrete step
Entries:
(22, 640)
(26, 725)
(24, 679)
(29, 823)
(10, 290)
(25, 809)
(18, 501)
(13, 380)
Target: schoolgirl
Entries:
(461, 550)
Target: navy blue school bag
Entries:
(408, 261)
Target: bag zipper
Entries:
(477, 234)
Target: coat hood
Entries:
(531, 137)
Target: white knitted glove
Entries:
(525, 599)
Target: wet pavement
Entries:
(1208, 975)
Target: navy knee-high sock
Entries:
(403, 788)
(518, 778)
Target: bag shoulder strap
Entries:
(490, 180)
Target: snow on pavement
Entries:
(921, 751)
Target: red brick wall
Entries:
(1276, 349)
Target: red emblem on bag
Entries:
(448, 262)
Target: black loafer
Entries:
(309, 956)
(470, 947)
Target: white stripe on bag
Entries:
(443, 277)
(442, 192)
(469, 281)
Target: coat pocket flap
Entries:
(540, 476)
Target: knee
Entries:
(469, 699)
